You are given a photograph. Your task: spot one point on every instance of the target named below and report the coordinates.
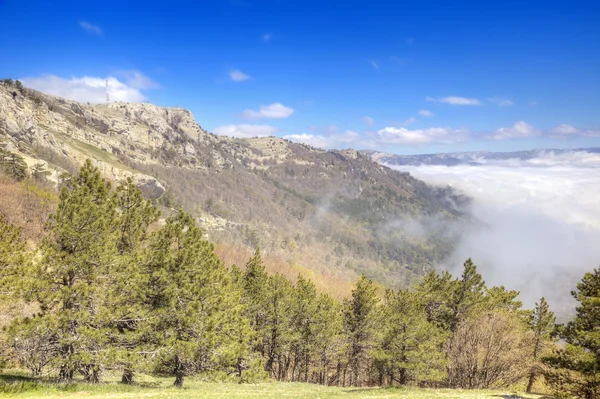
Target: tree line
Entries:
(112, 288)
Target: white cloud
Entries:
(565, 129)
(540, 218)
(273, 111)
(501, 102)
(374, 64)
(246, 131)
(238, 76)
(519, 130)
(93, 89)
(324, 141)
(138, 80)
(90, 28)
(401, 135)
(367, 120)
(425, 113)
(455, 100)
(266, 37)
(409, 121)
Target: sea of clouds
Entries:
(541, 221)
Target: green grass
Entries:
(19, 386)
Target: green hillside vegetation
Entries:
(107, 291)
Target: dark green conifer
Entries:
(575, 369)
(194, 306)
(542, 323)
(361, 324)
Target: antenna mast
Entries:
(107, 96)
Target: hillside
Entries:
(329, 214)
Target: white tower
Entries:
(107, 96)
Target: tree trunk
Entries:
(92, 374)
(178, 373)
(402, 377)
(307, 366)
(127, 377)
(65, 374)
(178, 380)
(530, 383)
(239, 367)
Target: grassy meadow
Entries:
(16, 385)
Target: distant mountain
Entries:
(468, 158)
(332, 214)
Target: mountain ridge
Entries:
(334, 213)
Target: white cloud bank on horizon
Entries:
(402, 135)
(93, 89)
(521, 129)
(542, 221)
(272, 111)
(324, 141)
(246, 130)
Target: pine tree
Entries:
(242, 333)
(436, 291)
(256, 285)
(193, 304)
(68, 283)
(127, 308)
(361, 322)
(303, 323)
(412, 348)
(328, 344)
(541, 322)
(12, 256)
(277, 332)
(576, 368)
(467, 295)
(13, 164)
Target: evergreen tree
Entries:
(576, 368)
(12, 256)
(328, 344)
(467, 294)
(277, 332)
(193, 303)
(255, 284)
(541, 322)
(302, 324)
(243, 334)
(436, 291)
(127, 309)
(412, 348)
(69, 282)
(13, 164)
(361, 323)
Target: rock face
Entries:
(32, 123)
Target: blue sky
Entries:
(399, 76)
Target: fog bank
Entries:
(542, 217)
